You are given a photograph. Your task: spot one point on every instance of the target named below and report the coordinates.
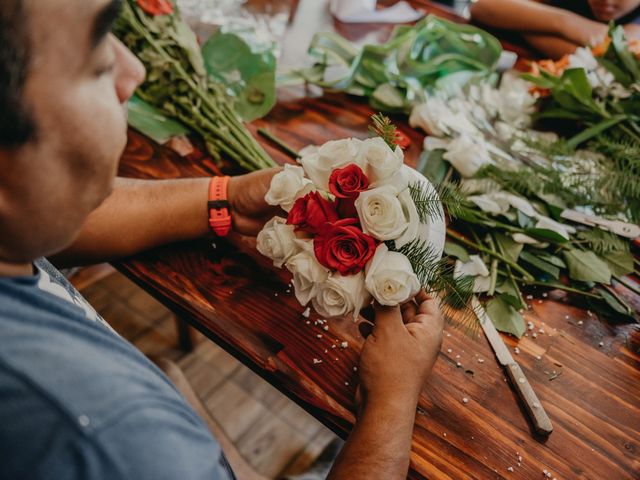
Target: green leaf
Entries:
(619, 44)
(249, 75)
(613, 302)
(457, 251)
(552, 259)
(511, 293)
(505, 318)
(595, 130)
(545, 235)
(586, 266)
(620, 262)
(150, 121)
(432, 165)
(509, 247)
(546, 267)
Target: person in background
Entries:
(77, 401)
(557, 27)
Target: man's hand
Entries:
(249, 211)
(400, 352)
(396, 360)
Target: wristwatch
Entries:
(218, 205)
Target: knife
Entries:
(541, 422)
(628, 230)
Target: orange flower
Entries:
(600, 49)
(156, 7)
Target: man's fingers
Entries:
(429, 310)
(388, 320)
(409, 311)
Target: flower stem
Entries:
(634, 288)
(286, 148)
(559, 286)
(480, 248)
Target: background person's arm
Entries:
(395, 362)
(550, 46)
(531, 17)
(143, 214)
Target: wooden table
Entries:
(586, 372)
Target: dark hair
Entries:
(16, 123)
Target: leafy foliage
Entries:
(178, 85)
(395, 75)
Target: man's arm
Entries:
(396, 360)
(142, 214)
(528, 16)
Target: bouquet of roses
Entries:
(357, 217)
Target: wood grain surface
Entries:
(586, 372)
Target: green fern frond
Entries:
(429, 204)
(436, 276)
(452, 199)
(602, 241)
(383, 128)
(425, 261)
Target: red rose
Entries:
(156, 7)
(348, 182)
(343, 247)
(347, 208)
(311, 212)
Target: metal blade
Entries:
(500, 349)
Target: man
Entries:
(558, 27)
(76, 400)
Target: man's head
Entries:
(64, 80)
(606, 10)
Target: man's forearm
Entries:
(380, 443)
(138, 215)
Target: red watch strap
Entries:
(218, 206)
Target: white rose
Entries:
(308, 274)
(277, 241)
(319, 163)
(389, 277)
(287, 186)
(467, 155)
(516, 103)
(385, 215)
(381, 162)
(341, 295)
(437, 118)
(429, 115)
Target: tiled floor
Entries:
(272, 433)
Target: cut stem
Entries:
(280, 143)
(480, 248)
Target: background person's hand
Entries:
(632, 30)
(399, 354)
(249, 211)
